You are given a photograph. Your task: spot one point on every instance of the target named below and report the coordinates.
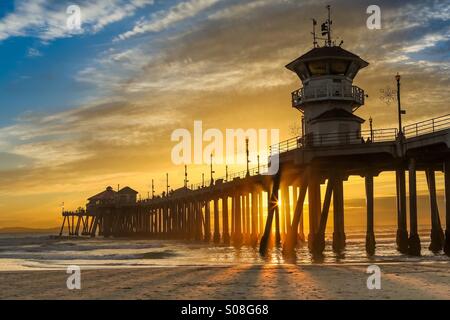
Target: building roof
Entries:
(182, 191)
(320, 53)
(338, 114)
(128, 190)
(328, 52)
(108, 194)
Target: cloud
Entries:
(164, 19)
(426, 42)
(47, 20)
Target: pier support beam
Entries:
(271, 207)
(260, 213)
(319, 242)
(370, 235)
(286, 208)
(414, 240)
(247, 217)
(277, 226)
(226, 232)
(282, 212)
(292, 236)
(199, 221)
(207, 221)
(447, 206)
(254, 235)
(243, 216)
(294, 202)
(216, 221)
(237, 220)
(314, 201)
(300, 229)
(192, 219)
(233, 217)
(402, 232)
(437, 234)
(185, 221)
(338, 213)
(62, 226)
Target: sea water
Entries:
(42, 252)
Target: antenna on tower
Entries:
(329, 25)
(314, 33)
(326, 28)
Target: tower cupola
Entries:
(328, 98)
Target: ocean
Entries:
(42, 252)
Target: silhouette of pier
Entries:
(260, 209)
(242, 214)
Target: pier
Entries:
(255, 208)
(240, 215)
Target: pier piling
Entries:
(338, 213)
(437, 234)
(271, 207)
(292, 236)
(314, 204)
(254, 218)
(319, 242)
(237, 220)
(414, 247)
(370, 234)
(447, 206)
(216, 221)
(225, 220)
(402, 232)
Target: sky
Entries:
(84, 109)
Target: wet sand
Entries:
(398, 281)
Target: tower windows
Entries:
(317, 68)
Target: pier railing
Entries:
(335, 92)
(335, 139)
(231, 176)
(331, 139)
(427, 126)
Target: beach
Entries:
(311, 282)
(34, 266)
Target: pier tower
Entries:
(328, 98)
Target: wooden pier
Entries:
(244, 207)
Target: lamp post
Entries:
(258, 166)
(371, 129)
(153, 189)
(400, 111)
(186, 181)
(248, 154)
(167, 185)
(212, 171)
